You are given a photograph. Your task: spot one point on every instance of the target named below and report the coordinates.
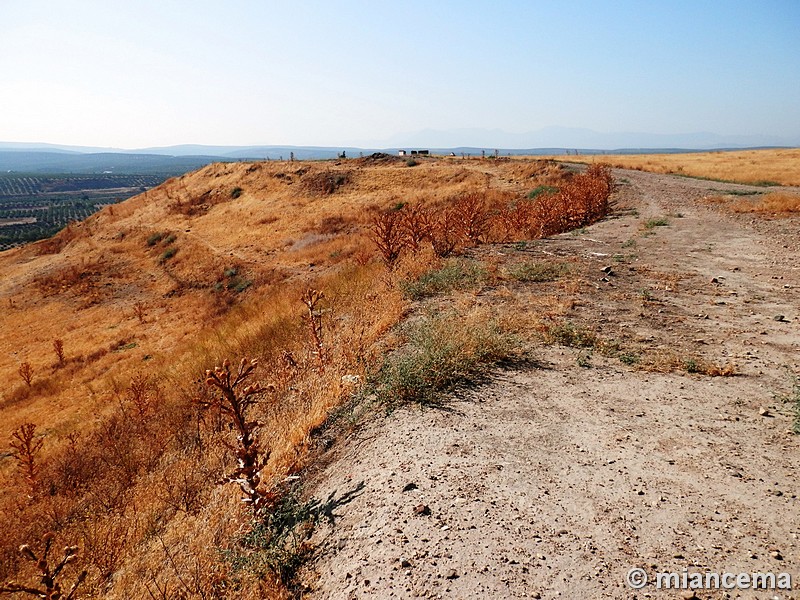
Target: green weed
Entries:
(542, 189)
(531, 271)
(656, 222)
(438, 357)
(154, 238)
(167, 254)
(568, 334)
(277, 543)
(456, 274)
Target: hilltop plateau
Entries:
(476, 378)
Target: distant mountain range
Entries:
(573, 138)
(55, 158)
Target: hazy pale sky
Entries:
(152, 73)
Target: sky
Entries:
(363, 73)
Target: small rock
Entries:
(608, 270)
(689, 595)
(452, 574)
(410, 486)
(422, 509)
(776, 555)
(779, 318)
(405, 564)
(764, 412)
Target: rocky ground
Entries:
(556, 477)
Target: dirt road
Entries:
(555, 479)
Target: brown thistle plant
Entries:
(26, 372)
(235, 400)
(48, 574)
(311, 298)
(25, 448)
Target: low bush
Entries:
(455, 274)
(167, 254)
(536, 272)
(438, 357)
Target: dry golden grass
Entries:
(757, 167)
(775, 202)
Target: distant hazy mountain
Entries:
(59, 161)
(40, 158)
(575, 138)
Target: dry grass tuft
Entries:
(774, 202)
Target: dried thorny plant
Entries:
(388, 234)
(471, 217)
(443, 234)
(142, 393)
(140, 311)
(235, 400)
(311, 298)
(58, 348)
(25, 449)
(417, 222)
(26, 372)
(50, 588)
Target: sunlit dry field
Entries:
(757, 167)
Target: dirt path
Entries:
(553, 480)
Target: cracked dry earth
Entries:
(552, 480)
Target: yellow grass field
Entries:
(757, 167)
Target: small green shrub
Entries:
(236, 192)
(154, 238)
(239, 285)
(411, 162)
(567, 334)
(456, 274)
(793, 398)
(628, 359)
(276, 544)
(656, 222)
(536, 272)
(438, 357)
(170, 239)
(167, 254)
(542, 189)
